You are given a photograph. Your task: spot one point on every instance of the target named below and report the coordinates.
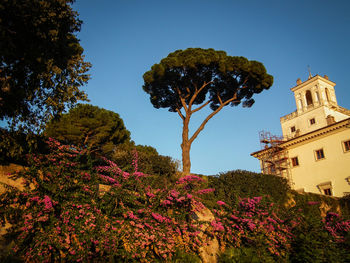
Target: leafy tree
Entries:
(42, 65)
(90, 126)
(203, 77)
(15, 145)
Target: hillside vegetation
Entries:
(78, 207)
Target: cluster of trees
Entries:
(42, 70)
(42, 67)
(102, 133)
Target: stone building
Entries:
(314, 151)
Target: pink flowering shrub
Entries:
(254, 223)
(71, 211)
(67, 218)
(337, 227)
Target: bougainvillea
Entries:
(68, 217)
(254, 224)
(71, 211)
(337, 227)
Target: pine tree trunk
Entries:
(186, 161)
(186, 147)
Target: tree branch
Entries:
(182, 99)
(220, 100)
(201, 127)
(198, 91)
(201, 107)
(180, 114)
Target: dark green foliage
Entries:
(183, 257)
(345, 206)
(333, 204)
(311, 242)
(232, 185)
(183, 72)
(90, 126)
(245, 255)
(15, 145)
(41, 63)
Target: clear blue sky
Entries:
(124, 38)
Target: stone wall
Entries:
(6, 177)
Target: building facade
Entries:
(314, 151)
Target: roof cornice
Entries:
(307, 82)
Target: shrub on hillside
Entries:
(149, 160)
(254, 224)
(15, 145)
(67, 217)
(317, 239)
(233, 185)
(78, 212)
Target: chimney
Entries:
(330, 119)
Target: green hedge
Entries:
(232, 185)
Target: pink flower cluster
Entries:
(189, 179)
(337, 227)
(252, 219)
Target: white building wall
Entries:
(334, 168)
(302, 122)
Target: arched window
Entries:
(308, 98)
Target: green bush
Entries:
(149, 161)
(233, 185)
(15, 145)
(244, 255)
(312, 242)
(344, 203)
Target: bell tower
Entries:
(316, 105)
(316, 91)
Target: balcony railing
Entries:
(289, 116)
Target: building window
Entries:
(325, 188)
(295, 161)
(292, 129)
(346, 146)
(327, 191)
(308, 98)
(347, 179)
(312, 121)
(327, 94)
(319, 154)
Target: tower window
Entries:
(312, 121)
(319, 154)
(292, 129)
(327, 94)
(308, 98)
(295, 161)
